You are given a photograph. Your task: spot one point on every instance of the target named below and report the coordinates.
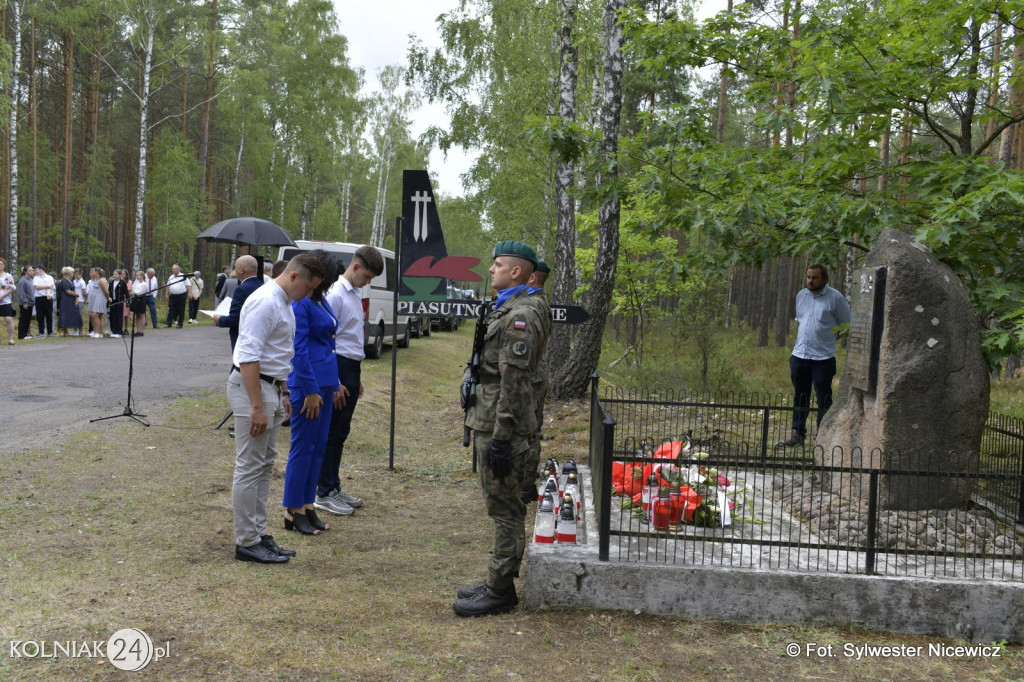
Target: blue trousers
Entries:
(151, 304)
(341, 424)
(309, 438)
(806, 374)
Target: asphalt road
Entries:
(53, 387)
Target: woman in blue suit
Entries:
(313, 384)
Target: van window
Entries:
(386, 279)
(342, 258)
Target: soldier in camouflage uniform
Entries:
(539, 380)
(503, 420)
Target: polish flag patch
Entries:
(519, 324)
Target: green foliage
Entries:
(856, 71)
(176, 215)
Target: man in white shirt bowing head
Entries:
(258, 395)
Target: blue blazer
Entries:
(314, 365)
(230, 320)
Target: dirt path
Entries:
(55, 386)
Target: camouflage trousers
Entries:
(501, 498)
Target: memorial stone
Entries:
(923, 406)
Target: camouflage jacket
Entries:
(540, 302)
(511, 353)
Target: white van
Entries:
(378, 295)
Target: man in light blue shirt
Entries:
(819, 310)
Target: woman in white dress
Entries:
(98, 295)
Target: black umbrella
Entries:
(250, 231)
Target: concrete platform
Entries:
(981, 611)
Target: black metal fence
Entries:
(741, 500)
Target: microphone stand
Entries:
(131, 357)
(131, 371)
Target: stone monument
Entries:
(914, 394)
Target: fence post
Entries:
(869, 559)
(1020, 492)
(604, 523)
(764, 440)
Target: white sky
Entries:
(377, 35)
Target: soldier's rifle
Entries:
(469, 385)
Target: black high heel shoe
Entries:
(315, 521)
(300, 523)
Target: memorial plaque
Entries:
(867, 310)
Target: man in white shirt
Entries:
(258, 395)
(44, 286)
(176, 295)
(151, 286)
(195, 292)
(346, 301)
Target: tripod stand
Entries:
(131, 370)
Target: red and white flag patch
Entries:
(519, 324)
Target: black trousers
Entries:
(176, 309)
(24, 320)
(806, 374)
(193, 308)
(44, 314)
(341, 424)
(116, 315)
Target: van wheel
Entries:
(373, 352)
(424, 327)
(404, 341)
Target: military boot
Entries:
(471, 590)
(487, 602)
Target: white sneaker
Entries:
(350, 500)
(94, 335)
(333, 505)
(115, 336)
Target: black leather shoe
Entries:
(487, 602)
(268, 542)
(259, 553)
(471, 590)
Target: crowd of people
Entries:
(62, 304)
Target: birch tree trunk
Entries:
(564, 286)
(573, 379)
(140, 197)
(12, 130)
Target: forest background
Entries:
(666, 167)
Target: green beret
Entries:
(517, 249)
(543, 267)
